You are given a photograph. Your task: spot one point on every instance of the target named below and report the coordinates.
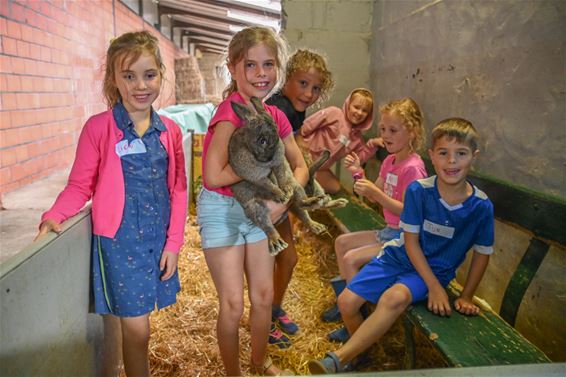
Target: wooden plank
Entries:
(356, 215)
(485, 339)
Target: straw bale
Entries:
(183, 341)
(189, 84)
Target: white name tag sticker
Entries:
(439, 230)
(391, 179)
(124, 148)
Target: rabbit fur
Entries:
(256, 153)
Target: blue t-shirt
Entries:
(446, 232)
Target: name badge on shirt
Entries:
(391, 179)
(344, 140)
(124, 148)
(439, 230)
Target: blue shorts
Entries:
(381, 273)
(387, 234)
(223, 222)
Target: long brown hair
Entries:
(126, 49)
(249, 37)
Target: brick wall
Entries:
(51, 58)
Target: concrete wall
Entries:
(341, 31)
(501, 64)
(46, 325)
(51, 58)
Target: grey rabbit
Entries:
(257, 155)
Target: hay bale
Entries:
(189, 84)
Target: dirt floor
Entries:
(183, 339)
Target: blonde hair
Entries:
(408, 110)
(249, 37)
(365, 94)
(302, 61)
(126, 49)
(456, 128)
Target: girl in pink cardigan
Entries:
(130, 162)
(340, 131)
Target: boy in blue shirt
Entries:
(444, 216)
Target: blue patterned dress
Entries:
(126, 276)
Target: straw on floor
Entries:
(183, 340)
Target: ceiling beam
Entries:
(175, 11)
(248, 8)
(184, 24)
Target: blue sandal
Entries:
(329, 365)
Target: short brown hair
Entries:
(457, 128)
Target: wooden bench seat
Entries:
(462, 340)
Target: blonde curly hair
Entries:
(301, 61)
(408, 110)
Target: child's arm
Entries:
(296, 160)
(438, 301)
(300, 172)
(81, 182)
(372, 190)
(312, 123)
(217, 170)
(464, 303)
(178, 194)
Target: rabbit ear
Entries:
(242, 111)
(258, 105)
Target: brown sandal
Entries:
(261, 370)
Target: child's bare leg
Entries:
(346, 242)
(355, 259)
(135, 343)
(390, 306)
(285, 262)
(328, 181)
(226, 265)
(259, 273)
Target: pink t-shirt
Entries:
(225, 113)
(396, 178)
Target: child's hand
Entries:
(353, 163)
(364, 187)
(438, 302)
(276, 210)
(168, 264)
(46, 227)
(376, 142)
(466, 306)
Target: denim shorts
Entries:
(222, 222)
(387, 234)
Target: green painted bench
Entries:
(483, 340)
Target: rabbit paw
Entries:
(313, 202)
(276, 245)
(317, 228)
(337, 203)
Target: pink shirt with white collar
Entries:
(97, 174)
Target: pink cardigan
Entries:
(97, 173)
